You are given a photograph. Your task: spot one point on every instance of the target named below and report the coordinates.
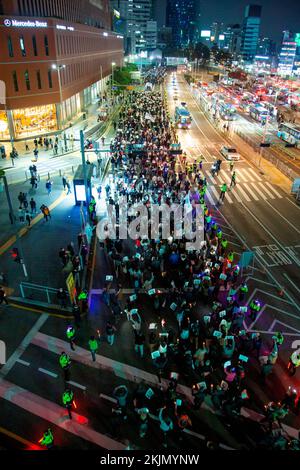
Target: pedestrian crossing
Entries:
(55, 166)
(250, 187)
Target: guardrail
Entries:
(40, 293)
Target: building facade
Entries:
(289, 56)
(250, 32)
(183, 18)
(55, 58)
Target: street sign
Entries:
(71, 287)
(246, 259)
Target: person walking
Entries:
(49, 186)
(93, 346)
(71, 333)
(3, 296)
(36, 154)
(64, 182)
(223, 192)
(139, 342)
(233, 180)
(47, 439)
(28, 218)
(32, 204)
(68, 401)
(110, 333)
(45, 210)
(68, 186)
(294, 362)
(65, 364)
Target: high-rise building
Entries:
(250, 32)
(266, 47)
(217, 30)
(183, 18)
(136, 14)
(289, 56)
(232, 39)
(55, 58)
(151, 35)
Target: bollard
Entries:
(59, 172)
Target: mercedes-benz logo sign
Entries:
(7, 22)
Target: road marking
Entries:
(253, 194)
(273, 189)
(209, 197)
(244, 194)
(263, 188)
(287, 277)
(234, 193)
(52, 412)
(24, 363)
(35, 310)
(18, 438)
(106, 397)
(282, 311)
(45, 371)
(24, 344)
(284, 218)
(247, 176)
(226, 176)
(215, 192)
(75, 384)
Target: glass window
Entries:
(38, 77)
(15, 80)
(46, 43)
(10, 47)
(50, 78)
(27, 81)
(34, 45)
(22, 46)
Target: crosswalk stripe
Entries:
(228, 198)
(240, 177)
(252, 192)
(263, 188)
(235, 194)
(257, 177)
(226, 176)
(209, 177)
(259, 190)
(246, 175)
(273, 189)
(209, 197)
(245, 195)
(214, 191)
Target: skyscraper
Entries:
(183, 17)
(289, 56)
(250, 32)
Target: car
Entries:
(229, 153)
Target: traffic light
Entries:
(15, 255)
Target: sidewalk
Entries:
(86, 125)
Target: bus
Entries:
(183, 118)
(227, 111)
(289, 133)
(259, 113)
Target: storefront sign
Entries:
(25, 24)
(71, 287)
(65, 28)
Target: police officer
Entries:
(243, 290)
(68, 400)
(65, 363)
(254, 309)
(47, 439)
(93, 345)
(70, 333)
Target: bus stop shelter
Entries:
(78, 182)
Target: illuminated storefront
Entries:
(34, 121)
(4, 129)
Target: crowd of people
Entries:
(201, 290)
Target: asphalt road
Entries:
(31, 384)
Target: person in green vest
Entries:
(83, 299)
(65, 363)
(71, 333)
(224, 244)
(68, 401)
(219, 233)
(47, 440)
(243, 290)
(254, 309)
(93, 346)
(230, 257)
(223, 192)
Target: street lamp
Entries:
(113, 64)
(59, 68)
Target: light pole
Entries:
(59, 68)
(112, 78)
(13, 221)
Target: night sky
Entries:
(277, 15)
